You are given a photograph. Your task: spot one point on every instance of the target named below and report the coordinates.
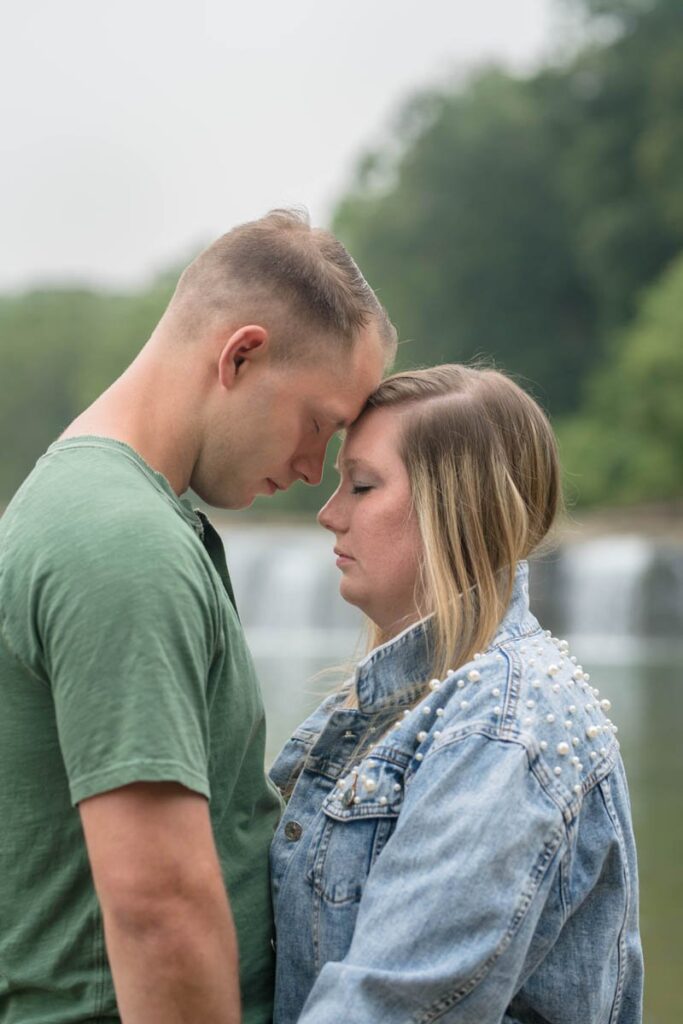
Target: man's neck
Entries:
(139, 410)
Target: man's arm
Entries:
(168, 927)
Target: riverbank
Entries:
(662, 522)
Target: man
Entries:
(135, 814)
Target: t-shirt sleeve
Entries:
(128, 631)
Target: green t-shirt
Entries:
(122, 660)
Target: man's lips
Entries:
(272, 486)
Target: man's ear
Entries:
(245, 347)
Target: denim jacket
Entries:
(466, 859)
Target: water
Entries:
(647, 704)
(619, 602)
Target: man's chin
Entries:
(227, 502)
(236, 502)
(240, 502)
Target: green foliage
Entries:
(468, 245)
(627, 444)
(625, 13)
(518, 220)
(619, 145)
(58, 350)
(43, 346)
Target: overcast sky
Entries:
(133, 130)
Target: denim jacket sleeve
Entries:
(450, 909)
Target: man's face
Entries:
(282, 421)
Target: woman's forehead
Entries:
(371, 439)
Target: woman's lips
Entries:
(342, 558)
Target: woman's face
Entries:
(378, 543)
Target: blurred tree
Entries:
(127, 322)
(627, 443)
(58, 350)
(626, 14)
(44, 341)
(515, 219)
(614, 115)
(519, 219)
(468, 240)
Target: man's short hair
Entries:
(281, 269)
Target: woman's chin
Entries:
(350, 593)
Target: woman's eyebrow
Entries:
(349, 463)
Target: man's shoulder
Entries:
(92, 500)
(96, 542)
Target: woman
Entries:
(457, 845)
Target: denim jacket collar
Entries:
(518, 619)
(396, 671)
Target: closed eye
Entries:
(360, 488)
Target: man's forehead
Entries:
(342, 404)
(345, 383)
(366, 359)
(339, 418)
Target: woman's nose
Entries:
(328, 514)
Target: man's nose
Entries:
(309, 468)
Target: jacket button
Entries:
(293, 830)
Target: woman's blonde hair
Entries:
(484, 476)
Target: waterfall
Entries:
(286, 583)
(615, 595)
(617, 599)
(615, 589)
